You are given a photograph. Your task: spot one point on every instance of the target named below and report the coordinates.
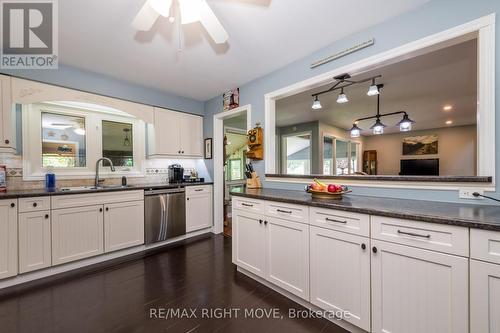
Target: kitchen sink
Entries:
(87, 188)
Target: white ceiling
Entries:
(421, 86)
(264, 35)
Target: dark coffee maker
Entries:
(175, 173)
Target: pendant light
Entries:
(342, 97)
(126, 141)
(355, 131)
(316, 104)
(378, 127)
(373, 90)
(405, 124)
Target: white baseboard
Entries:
(31, 276)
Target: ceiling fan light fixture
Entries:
(79, 131)
(342, 97)
(355, 131)
(190, 11)
(405, 124)
(316, 104)
(162, 7)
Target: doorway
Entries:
(230, 129)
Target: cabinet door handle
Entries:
(199, 189)
(363, 246)
(183, 152)
(334, 220)
(374, 249)
(246, 205)
(413, 234)
(179, 151)
(107, 208)
(260, 221)
(265, 222)
(46, 216)
(7, 142)
(100, 209)
(284, 211)
(13, 205)
(34, 204)
(187, 199)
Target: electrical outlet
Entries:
(467, 194)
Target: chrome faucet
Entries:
(97, 169)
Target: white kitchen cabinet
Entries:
(7, 116)
(34, 241)
(191, 135)
(8, 238)
(340, 274)
(198, 207)
(249, 242)
(123, 225)
(484, 297)
(77, 233)
(416, 290)
(287, 255)
(175, 134)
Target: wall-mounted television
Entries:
(420, 167)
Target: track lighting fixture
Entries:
(404, 124)
(316, 104)
(344, 81)
(373, 90)
(378, 127)
(355, 131)
(342, 97)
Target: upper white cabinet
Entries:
(484, 297)
(123, 225)
(175, 134)
(340, 274)
(416, 290)
(198, 207)
(77, 233)
(7, 117)
(8, 238)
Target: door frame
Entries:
(219, 158)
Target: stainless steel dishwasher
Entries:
(165, 214)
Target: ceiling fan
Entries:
(190, 11)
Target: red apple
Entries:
(332, 188)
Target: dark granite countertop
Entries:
(438, 179)
(466, 215)
(42, 192)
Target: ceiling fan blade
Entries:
(146, 17)
(161, 6)
(212, 24)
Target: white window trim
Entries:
(32, 144)
(283, 149)
(484, 27)
(349, 142)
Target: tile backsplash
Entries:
(155, 172)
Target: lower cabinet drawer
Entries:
(297, 213)
(249, 205)
(431, 236)
(485, 245)
(354, 223)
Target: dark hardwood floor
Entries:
(119, 299)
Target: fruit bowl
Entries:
(327, 195)
(321, 190)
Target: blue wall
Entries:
(433, 17)
(72, 77)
